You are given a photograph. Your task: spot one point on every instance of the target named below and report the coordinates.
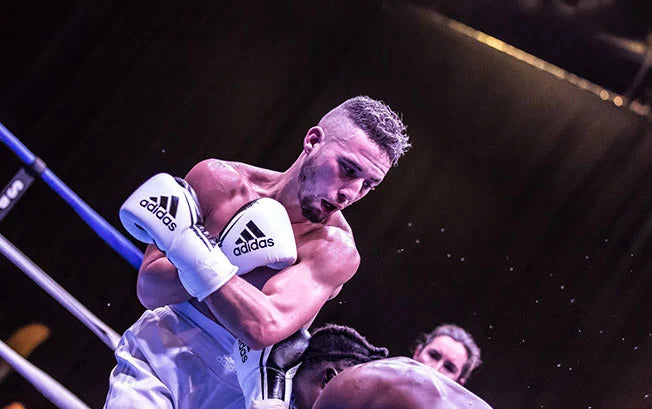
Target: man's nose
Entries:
(349, 192)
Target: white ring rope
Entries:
(103, 331)
(50, 388)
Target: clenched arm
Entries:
(290, 298)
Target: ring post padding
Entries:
(103, 229)
(51, 389)
(106, 334)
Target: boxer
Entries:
(340, 369)
(395, 383)
(241, 251)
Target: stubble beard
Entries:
(308, 210)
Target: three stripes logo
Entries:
(164, 208)
(251, 239)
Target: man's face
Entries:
(445, 355)
(339, 171)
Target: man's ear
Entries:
(461, 381)
(417, 351)
(314, 136)
(328, 374)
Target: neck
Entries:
(285, 189)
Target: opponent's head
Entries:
(450, 350)
(347, 155)
(332, 349)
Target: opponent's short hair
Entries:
(460, 335)
(341, 344)
(380, 123)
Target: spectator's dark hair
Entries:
(380, 123)
(460, 335)
(338, 343)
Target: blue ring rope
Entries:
(103, 229)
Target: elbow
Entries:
(259, 335)
(145, 295)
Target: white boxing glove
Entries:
(259, 234)
(269, 404)
(164, 211)
(266, 375)
(159, 209)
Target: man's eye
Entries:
(348, 169)
(367, 185)
(435, 355)
(449, 368)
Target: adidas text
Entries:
(244, 348)
(160, 213)
(253, 246)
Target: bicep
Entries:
(299, 291)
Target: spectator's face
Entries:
(445, 355)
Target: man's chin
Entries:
(314, 215)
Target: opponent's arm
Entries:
(293, 296)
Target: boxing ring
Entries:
(33, 168)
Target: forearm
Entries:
(158, 282)
(251, 315)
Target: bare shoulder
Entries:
(210, 172)
(217, 182)
(331, 244)
(400, 383)
(394, 383)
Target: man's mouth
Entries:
(328, 206)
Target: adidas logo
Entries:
(251, 239)
(244, 350)
(164, 208)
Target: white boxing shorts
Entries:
(175, 357)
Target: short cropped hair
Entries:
(460, 335)
(380, 123)
(341, 344)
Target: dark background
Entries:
(520, 214)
